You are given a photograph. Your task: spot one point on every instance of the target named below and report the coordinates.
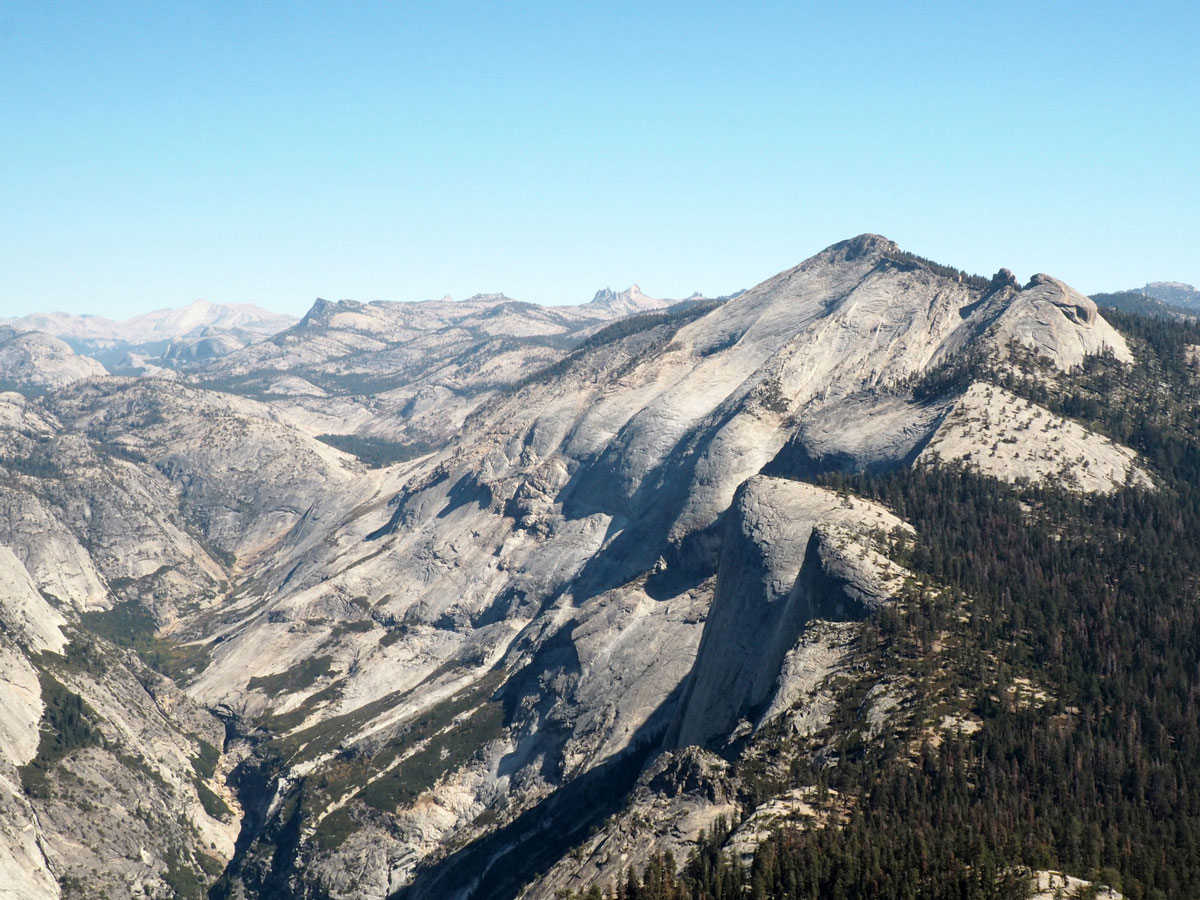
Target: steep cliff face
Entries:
(793, 553)
(108, 773)
(441, 675)
(30, 625)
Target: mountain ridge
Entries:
(426, 670)
(168, 323)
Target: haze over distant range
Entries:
(45, 350)
(158, 154)
(165, 340)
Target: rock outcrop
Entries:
(994, 432)
(1057, 322)
(625, 303)
(36, 362)
(793, 553)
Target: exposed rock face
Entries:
(411, 372)
(562, 498)
(28, 625)
(242, 477)
(38, 362)
(1175, 292)
(28, 618)
(123, 811)
(85, 510)
(625, 303)
(153, 827)
(1008, 438)
(157, 342)
(597, 555)
(680, 794)
(1053, 885)
(793, 553)
(1058, 322)
(190, 351)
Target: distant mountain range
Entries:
(1158, 298)
(171, 336)
(191, 337)
(161, 325)
(1174, 292)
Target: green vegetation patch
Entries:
(444, 753)
(67, 725)
(120, 451)
(393, 636)
(376, 452)
(300, 676)
(978, 282)
(444, 746)
(205, 763)
(128, 624)
(39, 466)
(212, 867)
(326, 736)
(1139, 304)
(182, 876)
(358, 626)
(284, 722)
(212, 803)
(335, 828)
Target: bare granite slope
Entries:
(606, 483)
(1012, 439)
(412, 371)
(600, 555)
(37, 362)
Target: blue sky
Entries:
(156, 153)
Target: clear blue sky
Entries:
(154, 153)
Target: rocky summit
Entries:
(483, 599)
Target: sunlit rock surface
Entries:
(598, 561)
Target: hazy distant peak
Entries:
(607, 294)
(161, 324)
(40, 361)
(322, 311)
(629, 301)
(1174, 292)
(319, 308)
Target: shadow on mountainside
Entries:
(498, 865)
